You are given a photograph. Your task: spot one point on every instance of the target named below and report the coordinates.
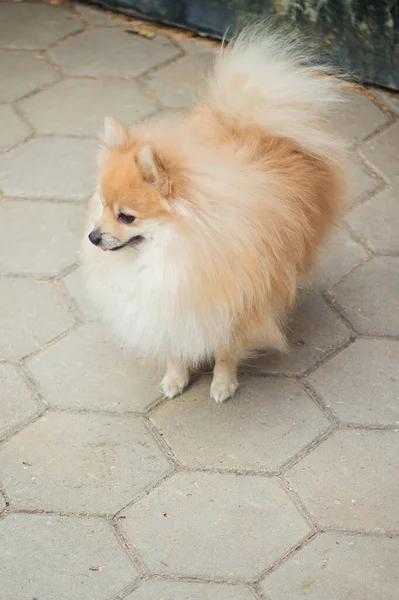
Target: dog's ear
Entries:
(153, 169)
(115, 135)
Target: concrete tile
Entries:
(196, 45)
(32, 313)
(377, 221)
(73, 283)
(53, 168)
(40, 238)
(334, 567)
(388, 98)
(18, 403)
(177, 85)
(13, 129)
(351, 480)
(64, 558)
(112, 52)
(363, 181)
(78, 106)
(180, 590)
(213, 525)
(100, 18)
(383, 152)
(34, 25)
(358, 117)
(361, 383)
(83, 463)
(269, 421)
(37, 73)
(85, 370)
(336, 257)
(2, 503)
(314, 330)
(370, 312)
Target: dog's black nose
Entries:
(95, 237)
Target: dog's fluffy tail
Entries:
(269, 78)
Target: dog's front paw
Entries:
(174, 384)
(222, 389)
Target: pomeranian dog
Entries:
(210, 220)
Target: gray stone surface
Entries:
(81, 463)
(377, 221)
(268, 422)
(382, 152)
(213, 525)
(338, 567)
(313, 331)
(363, 181)
(86, 370)
(32, 313)
(33, 26)
(17, 400)
(336, 257)
(177, 85)
(39, 237)
(112, 52)
(369, 296)
(358, 117)
(53, 168)
(361, 383)
(100, 18)
(13, 129)
(61, 558)
(36, 73)
(67, 108)
(388, 98)
(2, 503)
(180, 590)
(351, 481)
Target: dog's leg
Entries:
(176, 379)
(224, 382)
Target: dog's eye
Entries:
(126, 218)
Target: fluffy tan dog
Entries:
(209, 221)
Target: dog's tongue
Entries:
(104, 249)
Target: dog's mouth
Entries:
(134, 241)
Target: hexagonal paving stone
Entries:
(267, 423)
(78, 107)
(213, 525)
(369, 296)
(73, 283)
(32, 313)
(46, 556)
(39, 238)
(334, 567)
(382, 152)
(37, 73)
(358, 117)
(390, 99)
(84, 463)
(351, 480)
(336, 257)
(361, 383)
(177, 84)
(112, 52)
(85, 370)
(196, 44)
(13, 129)
(2, 503)
(18, 403)
(377, 221)
(100, 18)
(34, 25)
(315, 330)
(180, 590)
(53, 168)
(363, 181)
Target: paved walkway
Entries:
(107, 492)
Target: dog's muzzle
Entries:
(95, 237)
